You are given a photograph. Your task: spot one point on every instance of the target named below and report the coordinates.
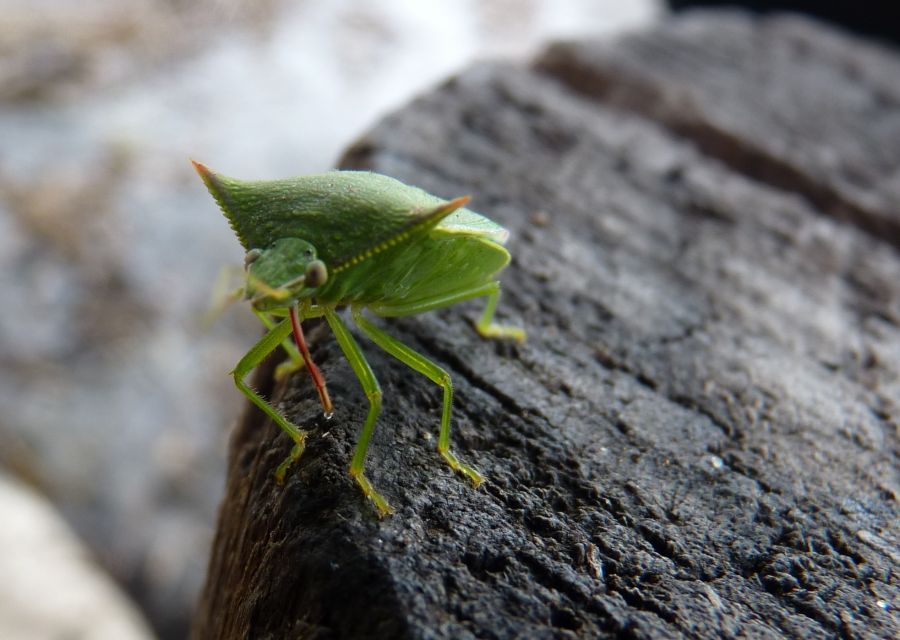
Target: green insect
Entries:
(367, 241)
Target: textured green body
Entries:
(345, 213)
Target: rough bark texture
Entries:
(700, 436)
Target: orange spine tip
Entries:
(202, 169)
(456, 203)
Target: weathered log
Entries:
(700, 436)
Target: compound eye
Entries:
(316, 274)
(251, 257)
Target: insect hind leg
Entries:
(485, 326)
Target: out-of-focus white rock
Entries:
(50, 586)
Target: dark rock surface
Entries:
(700, 436)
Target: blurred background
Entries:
(115, 403)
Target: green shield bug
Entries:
(366, 241)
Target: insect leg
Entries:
(409, 309)
(485, 326)
(433, 372)
(295, 360)
(257, 354)
(373, 392)
(224, 293)
(490, 329)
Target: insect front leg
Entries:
(373, 393)
(250, 361)
(433, 372)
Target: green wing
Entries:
(465, 222)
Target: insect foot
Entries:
(463, 468)
(384, 509)
(501, 332)
(296, 452)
